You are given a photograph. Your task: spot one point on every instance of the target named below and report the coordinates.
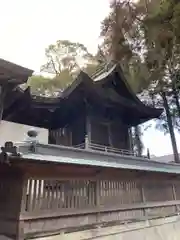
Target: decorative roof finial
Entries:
(32, 134)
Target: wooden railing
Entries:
(98, 148)
(93, 146)
(108, 149)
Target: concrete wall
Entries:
(15, 132)
(161, 229)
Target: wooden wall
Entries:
(11, 193)
(100, 131)
(109, 133)
(41, 199)
(71, 135)
(74, 197)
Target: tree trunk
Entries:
(148, 154)
(170, 126)
(115, 35)
(131, 145)
(176, 98)
(138, 144)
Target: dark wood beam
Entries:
(3, 90)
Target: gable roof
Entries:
(115, 75)
(109, 89)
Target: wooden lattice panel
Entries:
(158, 191)
(177, 190)
(119, 192)
(58, 194)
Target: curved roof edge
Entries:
(116, 68)
(90, 87)
(13, 73)
(81, 78)
(15, 68)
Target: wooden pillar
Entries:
(110, 135)
(97, 198)
(143, 198)
(97, 192)
(12, 202)
(174, 196)
(21, 202)
(2, 96)
(88, 132)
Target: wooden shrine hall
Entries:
(93, 112)
(71, 186)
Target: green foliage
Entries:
(64, 61)
(137, 139)
(50, 86)
(144, 37)
(123, 41)
(39, 84)
(90, 68)
(66, 55)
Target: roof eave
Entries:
(68, 155)
(14, 73)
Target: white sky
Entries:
(27, 27)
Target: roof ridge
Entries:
(104, 67)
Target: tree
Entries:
(162, 57)
(66, 55)
(46, 86)
(38, 84)
(90, 68)
(138, 145)
(123, 41)
(64, 60)
(119, 46)
(144, 38)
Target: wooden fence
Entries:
(40, 199)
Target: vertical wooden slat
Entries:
(113, 189)
(52, 205)
(76, 195)
(39, 195)
(174, 197)
(29, 196)
(48, 192)
(34, 194)
(98, 192)
(143, 198)
(24, 196)
(57, 190)
(84, 194)
(62, 200)
(44, 194)
(93, 192)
